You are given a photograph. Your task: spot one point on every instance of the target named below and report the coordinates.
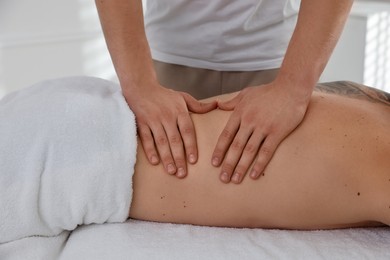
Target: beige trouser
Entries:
(204, 83)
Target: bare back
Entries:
(321, 176)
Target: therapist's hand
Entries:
(263, 116)
(165, 126)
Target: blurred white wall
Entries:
(45, 39)
(363, 52)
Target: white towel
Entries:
(67, 153)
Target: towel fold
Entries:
(68, 149)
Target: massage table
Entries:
(57, 202)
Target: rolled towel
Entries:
(68, 149)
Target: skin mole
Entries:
(358, 193)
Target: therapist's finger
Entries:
(225, 139)
(188, 135)
(234, 154)
(247, 157)
(177, 149)
(148, 143)
(162, 143)
(196, 106)
(265, 154)
(230, 104)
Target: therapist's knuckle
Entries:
(167, 158)
(227, 134)
(175, 139)
(266, 151)
(275, 129)
(164, 111)
(241, 168)
(145, 136)
(228, 167)
(147, 144)
(187, 130)
(150, 151)
(180, 161)
(237, 145)
(248, 118)
(161, 140)
(250, 149)
(182, 113)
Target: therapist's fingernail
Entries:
(253, 174)
(192, 158)
(171, 168)
(215, 161)
(154, 159)
(236, 178)
(180, 173)
(225, 177)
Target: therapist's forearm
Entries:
(123, 27)
(319, 26)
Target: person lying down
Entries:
(70, 157)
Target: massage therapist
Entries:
(183, 50)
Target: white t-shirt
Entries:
(241, 35)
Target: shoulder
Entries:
(354, 90)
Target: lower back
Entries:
(318, 177)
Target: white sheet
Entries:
(147, 240)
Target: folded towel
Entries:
(68, 149)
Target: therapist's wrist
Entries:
(140, 88)
(300, 88)
(136, 79)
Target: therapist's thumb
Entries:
(196, 106)
(230, 104)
